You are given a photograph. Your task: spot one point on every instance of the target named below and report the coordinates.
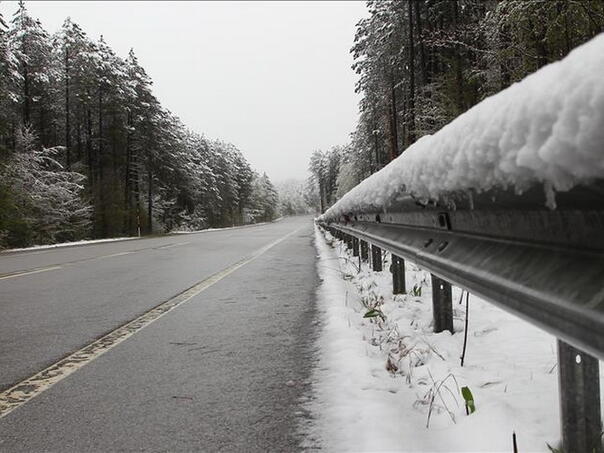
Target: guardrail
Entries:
(544, 265)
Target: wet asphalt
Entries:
(227, 371)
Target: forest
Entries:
(421, 63)
(87, 150)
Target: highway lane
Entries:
(93, 289)
(16, 262)
(224, 372)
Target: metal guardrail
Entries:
(544, 265)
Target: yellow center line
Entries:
(172, 245)
(71, 263)
(115, 254)
(33, 386)
(35, 271)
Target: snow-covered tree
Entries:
(95, 114)
(422, 63)
(292, 197)
(32, 47)
(264, 199)
(46, 199)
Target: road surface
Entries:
(222, 366)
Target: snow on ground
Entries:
(68, 244)
(548, 128)
(360, 405)
(224, 228)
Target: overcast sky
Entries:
(273, 78)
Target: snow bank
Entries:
(360, 405)
(205, 230)
(100, 241)
(548, 128)
(68, 244)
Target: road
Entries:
(222, 366)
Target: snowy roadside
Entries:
(391, 384)
(100, 241)
(205, 230)
(67, 244)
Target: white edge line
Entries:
(33, 386)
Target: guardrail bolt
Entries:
(398, 275)
(376, 258)
(579, 379)
(364, 251)
(355, 246)
(442, 304)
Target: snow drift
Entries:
(547, 129)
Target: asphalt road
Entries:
(225, 371)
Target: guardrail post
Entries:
(376, 258)
(355, 246)
(442, 304)
(349, 241)
(398, 275)
(364, 251)
(579, 380)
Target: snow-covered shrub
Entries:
(45, 204)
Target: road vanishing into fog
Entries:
(222, 366)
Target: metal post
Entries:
(355, 246)
(442, 304)
(364, 251)
(348, 240)
(376, 258)
(579, 380)
(398, 275)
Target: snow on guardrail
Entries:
(547, 128)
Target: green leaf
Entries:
(416, 291)
(373, 313)
(469, 399)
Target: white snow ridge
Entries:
(548, 128)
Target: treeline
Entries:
(421, 63)
(297, 197)
(86, 149)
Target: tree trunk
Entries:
(89, 151)
(26, 103)
(137, 195)
(150, 202)
(67, 124)
(127, 181)
(376, 146)
(101, 163)
(321, 196)
(411, 132)
(422, 53)
(79, 138)
(393, 120)
(458, 68)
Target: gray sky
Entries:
(273, 78)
